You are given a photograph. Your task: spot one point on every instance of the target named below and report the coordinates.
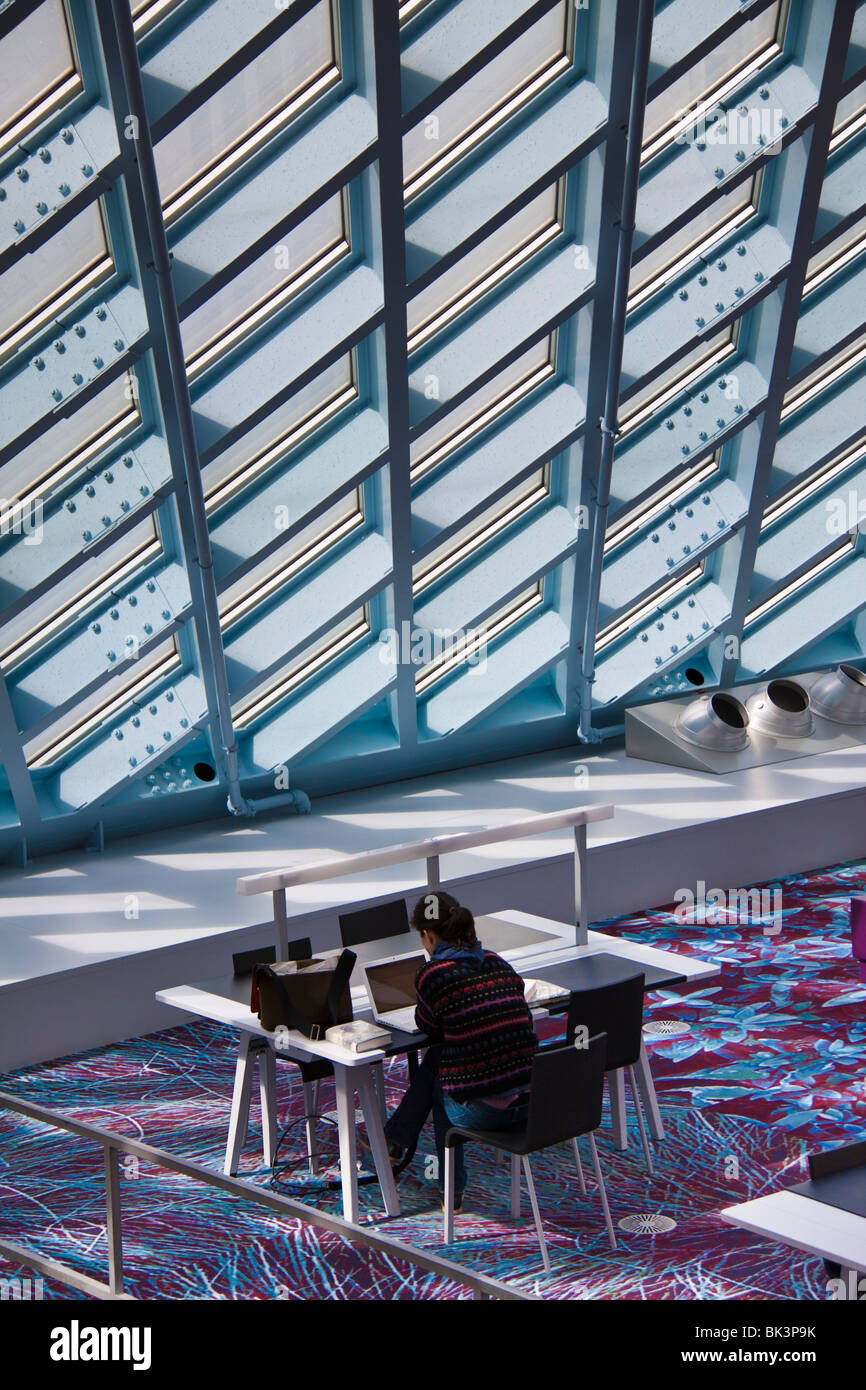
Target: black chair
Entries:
(374, 923)
(616, 1010)
(824, 1165)
(565, 1101)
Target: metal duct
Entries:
(840, 695)
(718, 722)
(781, 710)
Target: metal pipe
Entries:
(128, 54)
(608, 422)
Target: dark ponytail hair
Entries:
(439, 912)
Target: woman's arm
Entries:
(426, 1016)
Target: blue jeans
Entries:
(425, 1094)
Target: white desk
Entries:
(805, 1224)
(354, 1073)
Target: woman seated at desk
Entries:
(470, 1004)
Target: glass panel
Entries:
(727, 214)
(482, 103)
(35, 61)
(102, 705)
(472, 643)
(815, 481)
(825, 375)
(754, 43)
(267, 444)
(265, 286)
(690, 368)
(650, 512)
(500, 253)
(60, 270)
(840, 253)
(265, 580)
(351, 630)
(48, 463)
(835, 557)
(484, 406)
(147, 13)
(647, 606)
(244, 112)
(489, 524)
(410, 8)
(70, 598)
(850, 116)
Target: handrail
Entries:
(431, 848)
(276, 881)
(114, 1144)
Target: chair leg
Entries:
(311, 1104)
(449, 1194)
(616, 1091)
(515, 1186)
(580, 1176)
(640, 1121)
(649, 1097)
(536, 1215)
(602, 1193)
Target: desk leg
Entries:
(344, 1084)
(268, 1098)
(378, 1143)
(648, 1096)
(377, 1071)
(240, 1111)
(616, 1091)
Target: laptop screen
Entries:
(393, 985)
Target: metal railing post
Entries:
(281, 923)
(581, 924)
(113, 1224)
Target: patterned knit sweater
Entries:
(477, 1011)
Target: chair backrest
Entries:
(566, 1092)
(831, 1161)
(374, 923)
(616, 1010)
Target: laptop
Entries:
(390, 985)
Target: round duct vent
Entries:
(648, 1223)
(841, 696)
(666, 1028)
(718, 722)
(782, 710)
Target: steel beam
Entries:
(119, 45)
(792, 294)
(386, 49)
(616, 229)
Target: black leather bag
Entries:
(305, 999)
